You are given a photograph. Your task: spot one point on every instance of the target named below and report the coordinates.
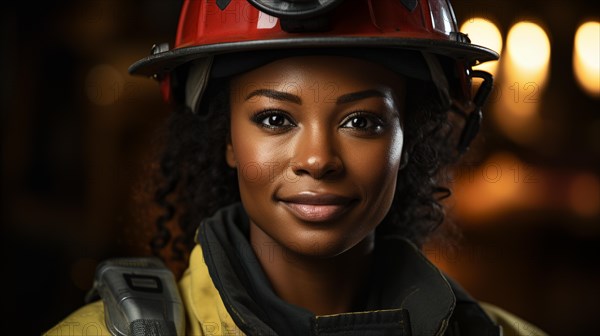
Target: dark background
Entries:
(79, 136)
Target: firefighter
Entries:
(303, 168)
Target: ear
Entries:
(230, 156)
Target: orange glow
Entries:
(528, 53)
(584, 195)
(501, 182)
(524, 75)
(529, 48)
(586, 57)
(485, 33)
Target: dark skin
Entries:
(317, 144)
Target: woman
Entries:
(304, 180)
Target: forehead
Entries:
(307, 70)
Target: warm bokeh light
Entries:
(528, 47)
(525, 69)
(584, 195)
(586, 57)
(501, 182)
(485, 33)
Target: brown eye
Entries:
(358, 122)
(363, 121)
(276, 120)
(273, 119)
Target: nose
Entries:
(316, 154)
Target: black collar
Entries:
(407, 294)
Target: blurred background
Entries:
(79, 137)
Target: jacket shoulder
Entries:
(474, 316)
(87, 320)
(206, 312)
(511, 324)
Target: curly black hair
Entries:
(196, 181)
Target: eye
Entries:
(358, 122)
(273, 119)
(364, 122)
(276, 120)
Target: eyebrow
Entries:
(278, 95)
(344, 99)
(354, 96)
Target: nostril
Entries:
(318, 168)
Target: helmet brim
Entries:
(167, 61)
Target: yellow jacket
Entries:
(207, 315)
(209, 311)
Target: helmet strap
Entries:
(197, 81)
(438, 77)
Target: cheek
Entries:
(258, 160)
(395, 148)
(377, 170)
(378, 160)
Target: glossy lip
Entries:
(316, 207)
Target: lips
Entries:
(317, 207)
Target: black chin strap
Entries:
(473, 120)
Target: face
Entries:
(317, 143)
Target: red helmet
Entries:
(209, 29)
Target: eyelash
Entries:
(378, 123)
(260, 117)
(376, 128)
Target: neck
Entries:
(323, 285)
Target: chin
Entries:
(318, 245)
